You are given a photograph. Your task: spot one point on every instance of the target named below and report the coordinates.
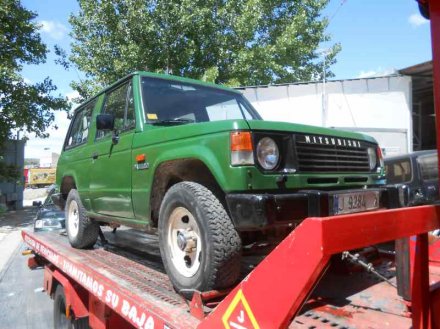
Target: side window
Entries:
(428, 167)
(120, 103)
(398, 172)
(80, 126)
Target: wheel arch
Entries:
(68, 182)
(169, 173)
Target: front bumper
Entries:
(258, 211)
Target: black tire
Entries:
(220, 256)
(86, 231)
(60, 321)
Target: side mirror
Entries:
(105, 121)
(37, 203)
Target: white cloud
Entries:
(417, 20)
(72, 95)
(379, 72)
(40, 147)
(54, 29)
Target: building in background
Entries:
(396, 110)
(11, 192)
(422, 94)
(49, 160)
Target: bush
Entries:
(3, 208)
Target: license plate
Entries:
(347, 203)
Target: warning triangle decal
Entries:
(239, 315)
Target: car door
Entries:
(75, 160)
(111, 173)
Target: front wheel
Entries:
(81, 230)
(200, 248)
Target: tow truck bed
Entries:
(142, 296)
(136, 292)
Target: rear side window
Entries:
(80, 126)
(398, 172)
(119, 102)
(428, 165)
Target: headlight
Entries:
(268, 153)
(372, 158)
(38, 223)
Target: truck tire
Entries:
(200, 248)
(60, 320)
(81, 230)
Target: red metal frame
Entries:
(276, 290)
(270, 296)
(305, 254)
(434, 12)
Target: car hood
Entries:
(305, 129)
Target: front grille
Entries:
(331, 154)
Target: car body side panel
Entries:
(160, 145)
(110, 182)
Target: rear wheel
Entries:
(81, 230)
(60, 320)
(200, 247)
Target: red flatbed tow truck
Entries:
(303, 283)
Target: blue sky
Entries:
(376, 36)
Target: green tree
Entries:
(234, 42)
(23, 106)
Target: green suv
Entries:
(197, 162)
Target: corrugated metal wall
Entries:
(381, 107)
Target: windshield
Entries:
(168, 101)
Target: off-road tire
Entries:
(60, 321)
(88, 229)
(221, 243)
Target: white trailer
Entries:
(380, 107)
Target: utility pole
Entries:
(323, 100)
(324, 53)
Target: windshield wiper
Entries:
(170, 122)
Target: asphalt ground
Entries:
(23, 304)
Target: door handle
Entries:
(95, 155)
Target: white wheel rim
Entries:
(183, 227)
(73, 219)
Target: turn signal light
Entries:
(241, 141)
(140, 158)
(242, 152)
